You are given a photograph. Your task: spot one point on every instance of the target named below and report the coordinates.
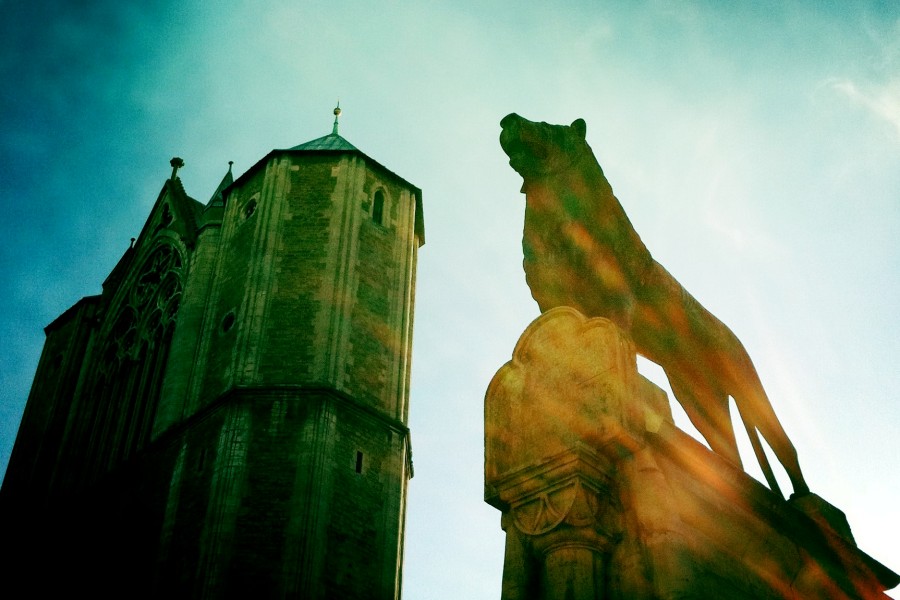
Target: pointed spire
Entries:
(337, 113)
(217, 199)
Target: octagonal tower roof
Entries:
(332, 141)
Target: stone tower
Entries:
(229, 417)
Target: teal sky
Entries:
(755, 149)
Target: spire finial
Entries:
(337, 113)
(176, 163)
(230, 162)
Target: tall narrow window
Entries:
(378, 207)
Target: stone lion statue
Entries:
(580, 250)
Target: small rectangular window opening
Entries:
(378, 208)
(359, 459)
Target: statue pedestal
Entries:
(603, 497)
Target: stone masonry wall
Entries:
(373, 342)
(241, 230)
(369, 487)
(36, 454)
(302, 246)
(287, 493)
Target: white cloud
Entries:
(882, 101)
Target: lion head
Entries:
(541, 149)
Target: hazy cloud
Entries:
(882, 101)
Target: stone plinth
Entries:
(603, 497)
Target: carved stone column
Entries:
(558, 418)
(557, 533)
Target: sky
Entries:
(756, 150)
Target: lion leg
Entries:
(708, 411)
(757, 412)
(761, 458)
(762, 416)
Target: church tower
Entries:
(245, 377)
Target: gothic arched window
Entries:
(131, 363)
